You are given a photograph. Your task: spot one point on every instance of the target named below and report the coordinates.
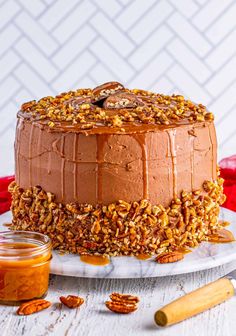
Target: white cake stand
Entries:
(206, 256)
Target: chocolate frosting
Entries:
(105, 164)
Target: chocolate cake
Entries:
(115, 171)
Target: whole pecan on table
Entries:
(169, 257)
(122, 303)
(72, 301)
(33, 306)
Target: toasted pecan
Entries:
(122, 303)
(124, 298)
(105, 90)
(121, 307)
(72, 301)
(221, 236)
(33, 306)
(122, 100)
(169, 257)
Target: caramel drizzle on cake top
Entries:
(112, 105)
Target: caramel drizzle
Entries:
(213, 164)
(96, 260)
(38, 150)
(172, 147)
(30, 154)
(17, 151)
(141, 140)
(49, 162)
(75, 165)
(192, 138)
(101, 140)
(62, 168)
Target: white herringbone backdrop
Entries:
(170, 46)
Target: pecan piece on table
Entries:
(221, 236)
(103, 91)
(33, 306)
(122, 100)
(122, 303)
(121, 308)
(124, 298)
(72, 301)
(169, 257)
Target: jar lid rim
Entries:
(42, 242)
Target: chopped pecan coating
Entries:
(120, 228)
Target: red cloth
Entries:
(5, 197)
(227, 171)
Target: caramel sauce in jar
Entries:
(24, 266)
(96, 260)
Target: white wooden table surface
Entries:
(93, 319)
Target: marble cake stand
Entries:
(204, 257)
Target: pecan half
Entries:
(124, 298)
(221, 236)
(72, 301)
(33, 306)
(122, 100)
(122, 303)
(120, 307)
(75, 102)
(169, 257)
(103, 91)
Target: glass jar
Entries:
(24, 266)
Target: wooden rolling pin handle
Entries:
(195, 302)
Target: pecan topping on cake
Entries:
(122, 100)
(105, 90)
(76, 102)
(130, 107)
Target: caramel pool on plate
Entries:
(24, 266)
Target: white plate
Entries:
(204, 257)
